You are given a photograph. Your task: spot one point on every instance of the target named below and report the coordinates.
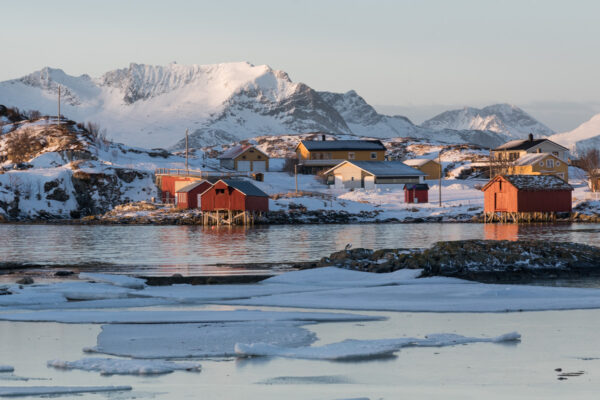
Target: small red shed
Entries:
(527, 193)
(234, 195)
(189, 196)
(416, 193)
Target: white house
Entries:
(370, 174)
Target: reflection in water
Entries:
(165, 250)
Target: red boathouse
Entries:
(189, 196)
(234, 195)
(416, 193)
(526, 197)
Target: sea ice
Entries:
(338, 277)
(167, 317)
(112, 366)
(196, 340)
(352, 349)
(13, 391)
(117, 280)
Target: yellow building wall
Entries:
(432, 169)
(359, 155)
(562, 170)
(508, 155)
(352, 176)
(252, 154)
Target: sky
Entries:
(411, 57)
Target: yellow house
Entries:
(540, 164)
(245, 158)
(317, 155)
(515, 149)
(431, 167)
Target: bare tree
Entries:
(589, 162)
(289, 164)
(499, 165)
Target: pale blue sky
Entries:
(396, 53)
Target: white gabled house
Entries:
(371, 174)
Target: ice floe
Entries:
(363, 349)
(6, 368)
(113, 366)
(166, 317)
(117, 280)
(14, 391)
(337, 277)
(196, 340)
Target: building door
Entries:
(199, 201)
(243, 166)
(259, 166)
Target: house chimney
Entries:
(531, 137)
(323, 137)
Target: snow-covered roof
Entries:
(191, 186)
(534, 182)
(332, 145)
(417, 162)
(525, 144)
(235, 151)
(383, 168)
(533, 158)
(245, 187)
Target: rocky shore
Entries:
(479, 260)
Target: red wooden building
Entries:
(523, 195)
(189, 196)
(416, 193)
(169, 184)
(234, 195)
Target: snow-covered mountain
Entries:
(151, 106)
(363, 120)
(585, 136)
(501, 118)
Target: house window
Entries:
(220, 191)
(259, 157)
(351, 155)
(373, 156)
(541, 163)
(244, 157)
(550, 163)
(558, 163)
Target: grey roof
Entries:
(191, 186)
(416, 186)
(237, 150)
(384, 168)
(524, 144)
(537, 182)
(316, 145)
(245, 187)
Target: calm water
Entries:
(192, 250)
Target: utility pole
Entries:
(490, 158)
(58, 105)
(186, 150)
(441, 169)
(296, 176)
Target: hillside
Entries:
(500, 118)
(151, 106)
(68, 170)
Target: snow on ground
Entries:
(115, 366)
(175, 317)
(117, 280)
(361, 349)
(47, 391)
(197, 340)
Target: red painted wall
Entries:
(231, 199)
(190, 199)
(167, 186)
(503, 196)
(421, 195)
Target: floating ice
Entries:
(116, 280)
(338, 277)
(196, 340)
(167, 317)
(363, 349)
(112, 366)
(12, 391)
(6, 368)
(307, 380)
